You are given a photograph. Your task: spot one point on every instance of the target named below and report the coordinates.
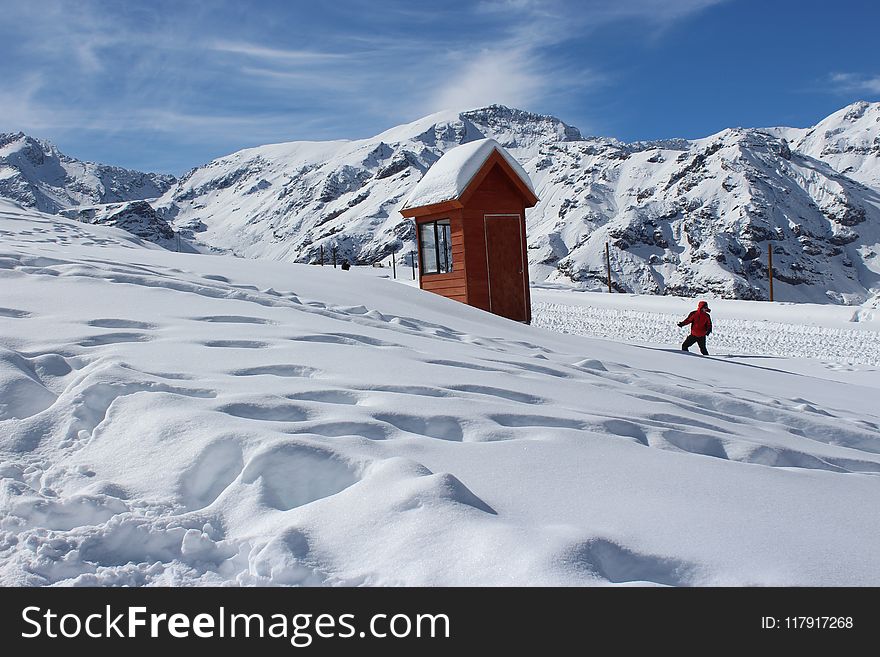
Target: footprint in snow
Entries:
(113, 338)
(282, 370)
(235, 344)
(120, 323)
(232, 319)
(14, 313)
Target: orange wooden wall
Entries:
(451, 284)
(468, 281)
(496, 195)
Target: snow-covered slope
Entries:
(285, 201)
(839, 336)
(36, 174)
(682, 217)
(136, 217)
(188, 419)
(699, 217)
(848, 140)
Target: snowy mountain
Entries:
(177, 419)
(136, 217)
(682, 217)
(848, 140)
(36, 174)
(285, 201)
(699, 217)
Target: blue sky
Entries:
(168, 85)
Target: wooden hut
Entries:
(470, 209)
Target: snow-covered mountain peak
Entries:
(848, 140)
(286, 201)
(36, 174)
(681, 216)
(515, 128)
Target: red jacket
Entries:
(700, 321)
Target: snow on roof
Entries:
(449, 176)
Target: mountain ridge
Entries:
(681, 216)
(35, 173)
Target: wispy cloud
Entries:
(517, 69)
(509, 78)
(280, 55)
(21, 109)
(855, 82)
(227, 75)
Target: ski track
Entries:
(736, 337)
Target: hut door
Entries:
(504, 260)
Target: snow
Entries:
(424, 124)
(181, 419)
(847, 140)
(35, 173)
(449, 176)
(681, 217)
(838, 335)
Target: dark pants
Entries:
(701, 341)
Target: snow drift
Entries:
(183, 419)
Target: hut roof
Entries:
(449, 177)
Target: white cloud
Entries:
(509, 78)
(279, 55)
(21, 109)
(208, 73)
(516, 71)
(849, 82)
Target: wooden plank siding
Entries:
(451, 284)
(495, 195)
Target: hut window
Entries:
(435, 238)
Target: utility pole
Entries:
(770, 267)
(608, 266)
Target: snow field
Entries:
(730, 336)
(177, 419)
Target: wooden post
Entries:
(770, 267)
(393, 267)
(412, 255)
(333, 255)
(608, 266)
(322, 255)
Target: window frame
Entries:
(447, 250)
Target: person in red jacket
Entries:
(701, 326)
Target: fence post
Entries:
(412, 255)
(770, 267)
(393, 267)
(322, 255)
(608, 266)
(333, 255)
